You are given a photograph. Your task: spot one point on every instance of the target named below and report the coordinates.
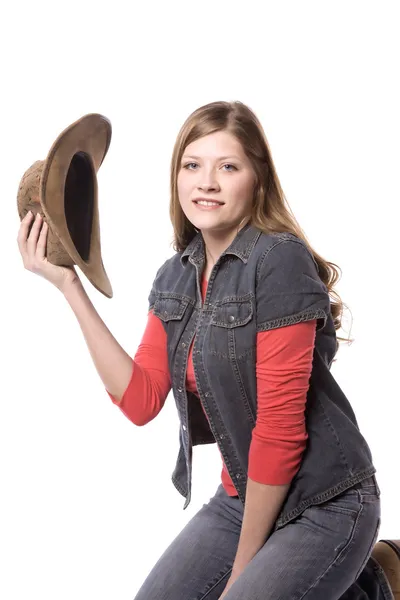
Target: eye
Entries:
(193, 163)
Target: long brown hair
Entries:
(271, 212)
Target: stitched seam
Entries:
(284, 241)
(318, 313)
(215, 584)
(264, 256)
(343, 550)
(327, 495)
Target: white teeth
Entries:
(205, 203)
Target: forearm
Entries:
(262, 507)
(113, 364)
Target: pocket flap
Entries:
(169, 308)
(232, 313)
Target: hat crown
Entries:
(28, 190)
(28, 199)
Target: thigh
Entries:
(198, 562)
(318, 555)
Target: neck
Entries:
(216, 242)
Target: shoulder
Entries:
(168, 271)
(285, 242)
(284, 250)
(288, 287)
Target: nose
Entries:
(206, 179)
(208, 184)
(207, 188)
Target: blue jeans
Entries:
(323, 554)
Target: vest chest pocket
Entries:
(232, 328)
(232, 313)
(170, 308)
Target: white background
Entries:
(87, 504)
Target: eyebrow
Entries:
(219, 158)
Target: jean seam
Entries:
(382, 579)
(370, 548)
(344, 549)
(215, 584)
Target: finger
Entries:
(33, 236)
(41, 244)
(23, 231)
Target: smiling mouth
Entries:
(208, 203)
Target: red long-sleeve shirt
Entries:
(283, 369)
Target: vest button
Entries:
(184, 427)
(221, 437)
(180, 390)
(183, 345)
(238, 475)
(231, 318)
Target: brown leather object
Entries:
(63, 188)
(387, 554)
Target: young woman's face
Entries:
(215, 167)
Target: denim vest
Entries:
(260, 282)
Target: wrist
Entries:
(71, 288)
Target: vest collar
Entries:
(241, 246)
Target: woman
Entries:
(241, 327)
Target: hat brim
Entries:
(90, 135)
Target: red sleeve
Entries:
(150, 382)
(283, 369)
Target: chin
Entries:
(215, 227)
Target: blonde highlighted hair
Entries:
(271, 212)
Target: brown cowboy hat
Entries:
(63, 188)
